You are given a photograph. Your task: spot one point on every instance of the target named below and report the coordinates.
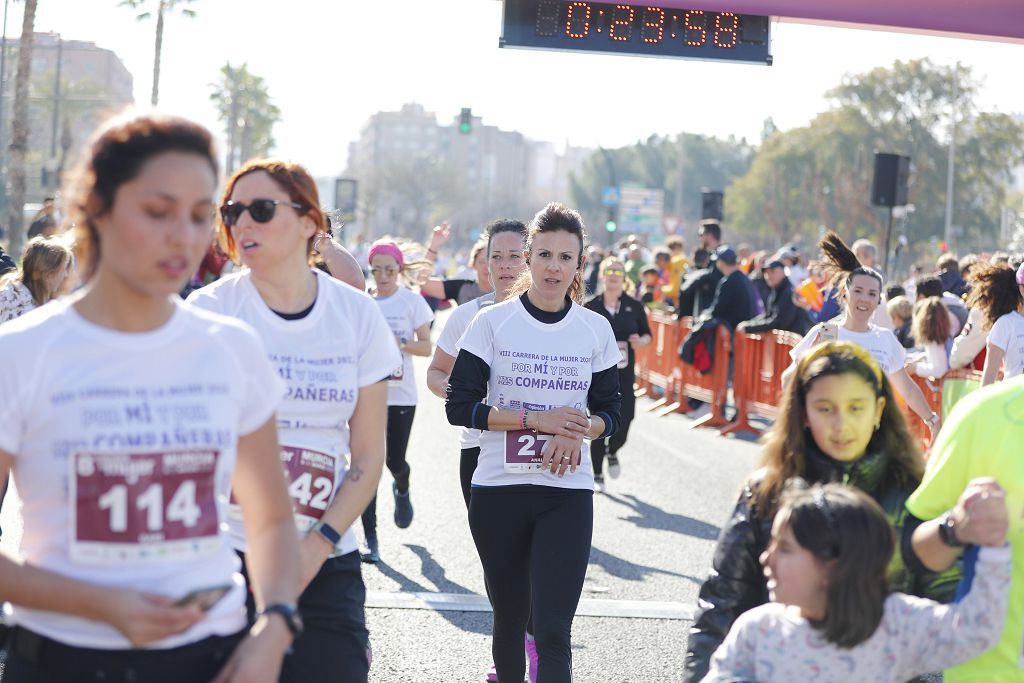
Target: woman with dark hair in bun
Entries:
(537, 375)
(127, 421)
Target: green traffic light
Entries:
(464, 128)
(610, 226)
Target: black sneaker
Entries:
(614, 469)
(372, 556)
(598, 483)
(403, 507)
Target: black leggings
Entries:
(399, 428)
(612, 444)
(334, 645)
(467, 466)
(534, 544)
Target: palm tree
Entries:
(19, 129)
(162, 7)
(244, 105)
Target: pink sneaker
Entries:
(531, 656)
(492, 675)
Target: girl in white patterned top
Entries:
(45, 274)
(832, 618)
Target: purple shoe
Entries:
(492, 675)
(531, 656)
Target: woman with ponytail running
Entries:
(860, 289)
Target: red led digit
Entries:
(575, 10)
(689, 27)
(621, 28)
(547, 18)
(653, 30)
(729, 32)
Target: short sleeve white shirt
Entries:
(536, 366)
(448, 342)
(405, 311)
(1008, 334)
(324, 359)
(878, 341)
(124, 445)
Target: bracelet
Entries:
(933, 419)
(431, 251)
(522, 419)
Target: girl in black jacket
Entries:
(839, 422)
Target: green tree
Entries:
(820, 174)
(680, 165)
(162, 7)
(19, 130)
(244, 107)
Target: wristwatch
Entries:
(290, 614)
(947, 531)
(328, 532)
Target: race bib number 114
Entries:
(143, 507)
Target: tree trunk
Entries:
(19, 131)
(156, 53)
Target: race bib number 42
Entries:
(310, 481)
(143, 507)
(523, 449)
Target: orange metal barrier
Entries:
(932, 390)
(757, 379)
(760, 360)
(661, 373)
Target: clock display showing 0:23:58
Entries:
(643, 30)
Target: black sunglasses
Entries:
(261, 210)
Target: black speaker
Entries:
(890, 185)
(711, 205)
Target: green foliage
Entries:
(820, 174)
(679, 165)
(244, 107)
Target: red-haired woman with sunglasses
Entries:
(332, 347)
(628, 318)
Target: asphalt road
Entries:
(654, 533)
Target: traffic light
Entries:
(611, 225)
(711, 205)
(466, 121)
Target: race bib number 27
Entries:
(143, 507)
(523, 449)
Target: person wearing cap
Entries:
(733, 302)
(782, 313)
(1006, 338)
(789, 255)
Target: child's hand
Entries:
(980, 516)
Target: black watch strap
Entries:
(947, 532)
(290, 614)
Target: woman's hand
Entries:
(439, 236)
(257, 659)
(562, 454)
(980, 516)
(564, 421)
(145, 618)
(638, 341)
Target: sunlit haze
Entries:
(330, 65)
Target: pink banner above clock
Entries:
(994, 19)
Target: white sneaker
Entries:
(614, 469)
(598, 483)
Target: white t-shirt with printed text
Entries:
(536, 366)
(405, 311)
(878, 341)
(324, 359)
(448, 342)
(124, 446)
(1008, 334)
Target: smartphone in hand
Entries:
(204, 598)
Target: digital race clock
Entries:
(636, 30)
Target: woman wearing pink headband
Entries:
(409, 317)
